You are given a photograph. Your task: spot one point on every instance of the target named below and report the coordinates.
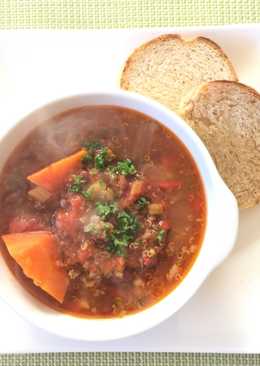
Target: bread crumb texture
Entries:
(226, 116)
(168, 67)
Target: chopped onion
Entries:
(155, 209)
(39, 194)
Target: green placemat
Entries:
(82, 14)
(129, 359)
(74, 14)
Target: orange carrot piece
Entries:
(136, 190)
(36, 253)
(53, 176)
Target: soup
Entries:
(103, 211)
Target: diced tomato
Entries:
(78, 204)
(108, 266)
(20, 224)
(148, 262)
(165, 225)
(168, 184)
(122, 182)
(114, 265)
(149, 257)
(67, 221)
(84, 254)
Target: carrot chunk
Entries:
(136, 190)
(53, 176)
(36, 253)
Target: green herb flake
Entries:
(104, 209)
(97, 155)
(127, 223)
(91, 149)
(92, 145)
(118, 245)
(87, 159)
(101, 158)
(124, 167)
(126, 228)
(142, 202)
(161, 235)
(107, 227)
(77, 183)
(86, 194)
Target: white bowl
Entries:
(219, 238)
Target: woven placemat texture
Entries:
(81, 14)
(129, 359)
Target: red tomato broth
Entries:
(122, 284)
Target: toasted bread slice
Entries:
(167, 67)
(226, 115)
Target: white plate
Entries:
(39, 66)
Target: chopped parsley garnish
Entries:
(93, 145)
(124, 167)
(101, 158)
(77, 186)
(105, 209)
(127, 223)
(91, 149)
(126, 228)
(87, 159)
(97, 155)
(77, 183)
(118, 245)
(161, 235)
(142, 202)
(86, 194)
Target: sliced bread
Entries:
(226, 115)
(167, 67)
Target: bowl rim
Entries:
(214, 188)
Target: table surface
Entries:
(85, 14)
